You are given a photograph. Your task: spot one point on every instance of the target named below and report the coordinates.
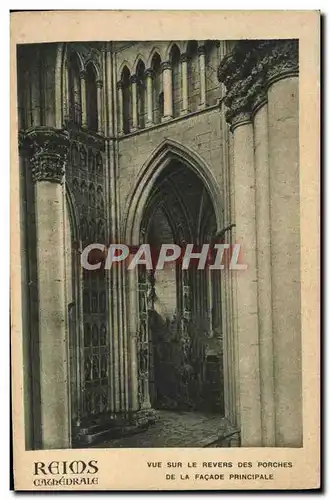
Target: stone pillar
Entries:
(202, 76)
(149, 80)
(247, 292)
(83, 99)
(136, 303)
(131, 294)
(134, 103)
(30, 419)
(260, 123)
(273, 198)
(100, 126)
(184, 83)
(143, 343)
(48, 164)
(228, 309)
(283, 122)
(167, 89)
(120, 108)
(105, 96)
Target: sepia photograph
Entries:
(189, 142)
(160, 246)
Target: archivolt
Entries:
(166, 151)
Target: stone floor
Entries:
(179, 429)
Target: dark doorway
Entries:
(184, 316)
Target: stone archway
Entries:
(179, 354)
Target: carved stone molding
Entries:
(249, 70)
(47, 149)
(283, 60)
(133, 79)
(120, 85)
(149, 73)
(166, 65)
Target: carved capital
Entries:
(82, 75)
(184, 57)
(201, 50)
(99, 84)
(283, 60)
(166, 65)
(120, 85)
(48, 151)
(239, 118)
(133, 79)
(248, 71)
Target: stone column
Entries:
(283, 122)
(136, 304)
(149, 80)
(228, 310)
(184, 83)
(247, 292)
(83, 99)
(202, 76)
(210, 301)
(260, 124)
(30, 419)
(167, 89)
(120, 108)
(48, 164)
(238, 102)
(100, 127)
(134, 103)
(143, 343)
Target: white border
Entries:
(4, 184)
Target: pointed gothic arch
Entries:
(153, 52)
(124, 64)
(178, 44)
(138, 60)
(173, 303)
(160, 158)
(96, 67)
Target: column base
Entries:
(114, 426)
(144, 417)
(149, 124)
(202, 106)
(166, 118)
(184, 112)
